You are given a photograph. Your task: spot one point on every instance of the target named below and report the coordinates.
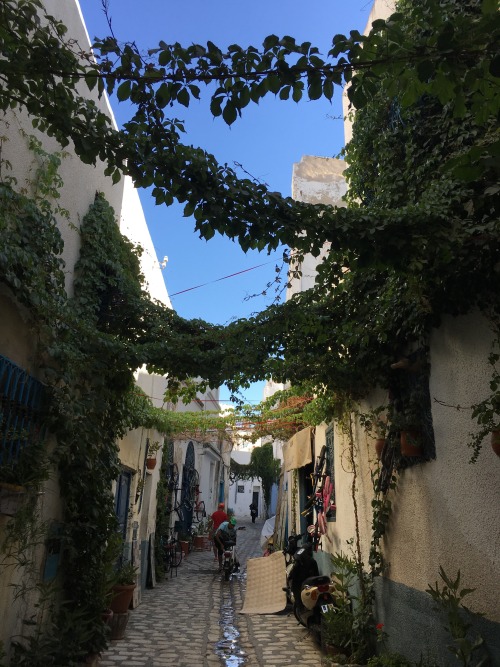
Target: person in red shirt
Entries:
(218, 517)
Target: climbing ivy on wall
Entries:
(89, 348)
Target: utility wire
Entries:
(231, 275)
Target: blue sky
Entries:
(267, 140)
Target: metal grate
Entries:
(21, 415)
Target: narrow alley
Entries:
(193, 619)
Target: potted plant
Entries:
(107, 577)
(153, 448)
(201, 536)
(410, 432)
(347, 629)
(123, 588)
(185, 540)
(411, 442)
(408, 421)
(337, 623)
(336, 632)
(375, 425)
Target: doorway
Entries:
(255, 498)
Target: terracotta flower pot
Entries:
(150, 463)
(411, 443)
(495, 442)
(184, 547)
(379, 447)
(122, 597)
(199, 542)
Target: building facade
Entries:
(25, 152)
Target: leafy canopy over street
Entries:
(419, 238)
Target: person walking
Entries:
(253, 511)
(218, 517)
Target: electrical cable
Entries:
(231, 275)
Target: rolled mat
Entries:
(266, 578)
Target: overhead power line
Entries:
(231, 275)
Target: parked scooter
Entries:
(310, 593)
(230, 563)
(289, 551)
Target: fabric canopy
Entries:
(297, 451)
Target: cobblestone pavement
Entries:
(193, 619)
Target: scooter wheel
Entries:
(322, 632)
(297, 614)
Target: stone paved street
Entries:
(193, 619)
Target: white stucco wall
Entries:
(134, 226)
(315, 180)
(445, 512)
(240, 501)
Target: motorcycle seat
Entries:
(229, 543)
(316, 581)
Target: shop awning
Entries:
(297, 451)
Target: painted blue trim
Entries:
(21, 398)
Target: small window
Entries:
(241, 488)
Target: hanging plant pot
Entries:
(495, 442)
(379, 447)
(151, 463)
(12, 498)
(411, 443)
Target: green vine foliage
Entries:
(88, 356)
(418, 240)
(423, 214)
(448, 51)
(382, 506)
